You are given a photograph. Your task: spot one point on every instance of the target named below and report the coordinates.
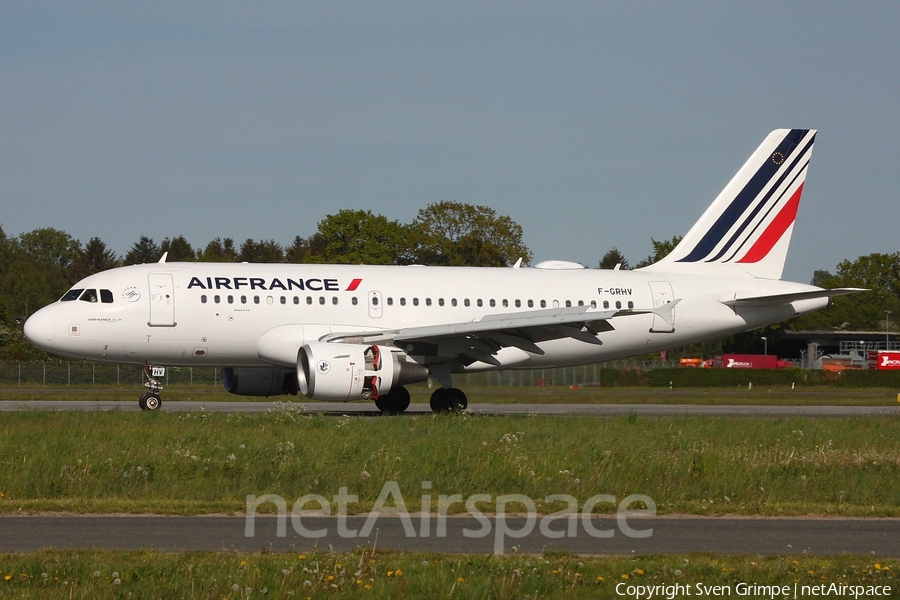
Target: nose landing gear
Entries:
(151, 399)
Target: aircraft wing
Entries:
(480, 340)
(777, 299)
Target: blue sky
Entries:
(592, 124)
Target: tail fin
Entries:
(749, 224)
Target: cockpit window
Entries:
(71, 295)
(106, 296)
(89, 296)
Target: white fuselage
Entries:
(216, 314)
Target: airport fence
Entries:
(86, 374)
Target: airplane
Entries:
(348, 332)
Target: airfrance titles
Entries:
(261, 283)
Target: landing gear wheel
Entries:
(457, 400)
(150, 401)
(439, 401)
(448, 400)
(396, 401)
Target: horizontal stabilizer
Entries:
(779, 299)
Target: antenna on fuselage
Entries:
(518, 263)
(162, 260)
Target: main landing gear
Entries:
(448, 399)
(396, 401)
(151, 399)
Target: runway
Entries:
(669, 535)
(368, 408)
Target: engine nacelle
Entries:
(259, 381)
(352, 371)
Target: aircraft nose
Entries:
(38, 329)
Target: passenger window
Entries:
(581, 303)
(243, 299)
(479, 302)
(283, 300)
(354, 301)
(427, 301)
(375, 300)
(593, 304)
(518, 303)
(296, 299)
(630, 304)
(402, 301)
(217, 299)
(466, 302)
(255, 299)
(230, 299)
(71, 295)
(322, 300)
(440, 301)
(568, 303)
(453, 302)
(89, 296)
(203, 298)
(334, 300)
(309, 299)
(618, 304)
(505, 303)
(531, 304)
(390, 302)
(415, 301)
(543, 304)
(106, 296)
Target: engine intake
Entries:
(351, 371)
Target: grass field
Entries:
(105, 574)
(191, 463)
(760, 395)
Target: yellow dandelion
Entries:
(810, 572)
(460, 580)
(244, 563)
(624, 575)
(7, 578)
(600, 579)
(638, 571)
(331, 578)
(390, 573)
(367, 586)
(878, 566)
(302, 557)
(555, 572)
(359, 582)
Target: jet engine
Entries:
(353, 371)
(259, 381)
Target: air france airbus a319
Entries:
(347, 332)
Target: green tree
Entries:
(612, 258)
(302, 249)
(263, 251)
(178, 248)
(142, 252)
(40, 269)
(661, 249)
(219, 250)
(94, 258)
(360, 237)
(451, 233)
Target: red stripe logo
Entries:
(353, 285)
(774, 231)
